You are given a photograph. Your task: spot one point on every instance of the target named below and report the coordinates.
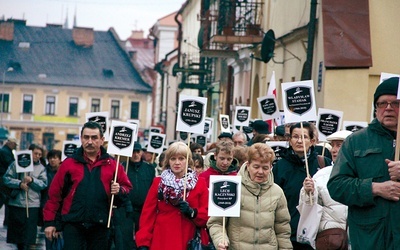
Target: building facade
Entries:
(53, 76)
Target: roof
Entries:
(169, 20)
(54, 59)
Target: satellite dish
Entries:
(200, 37)
(268, 46)
(175, 69)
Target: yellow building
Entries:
(53, 76)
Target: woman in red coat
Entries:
(169, 220)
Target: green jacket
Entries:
(373, 221)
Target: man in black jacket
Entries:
(6, 158)
(141, 175)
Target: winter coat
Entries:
(6, 158)
(141, 175)
(12, 179)
(334, 214)
(289, 173)
(373, 221)
(164, 227)
(264, 218)
(84, 195)
(214, 170)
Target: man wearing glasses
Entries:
(366, 179)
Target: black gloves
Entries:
(143, 248)
(187, 210)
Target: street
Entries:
(3, 237)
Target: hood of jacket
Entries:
(292, 157)
(255, 188)
(232, 168)
(376, 126)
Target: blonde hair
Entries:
(262, 152)
(177, 148)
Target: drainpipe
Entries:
(307, 69)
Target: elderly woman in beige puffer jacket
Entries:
(264, 216)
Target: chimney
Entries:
(83, 36)
(137, 34)
(6, 31)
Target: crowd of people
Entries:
(162, 202)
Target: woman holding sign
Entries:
(168, 219)
(290, 171)
(264, 217)
(22, 225)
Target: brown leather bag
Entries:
(331, 239)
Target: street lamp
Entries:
(2, 95)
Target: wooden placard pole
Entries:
(26, 200)
(112, 196)
(305, 157)
(396, 152)
(186, 168)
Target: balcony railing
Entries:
(230, 24)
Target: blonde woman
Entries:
(168, 219)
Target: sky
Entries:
(123, 15)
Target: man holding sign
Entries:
(366, 176)
(81, 192)
(27, 177)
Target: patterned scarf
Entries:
(170, 188)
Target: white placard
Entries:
(224, 198)
(121, 138)
(277, 146)
(23, 161)
(328, 122)
(225, 123)
(354, 126)
(281, 119)
(208, 127)
(69, 148)
(299, 101)
(242, 116)
(200, 139)
(156, 143)
(191, 114)
(385, 76)
(155, 130)
(282, 144)
(102, 119)
(268, 107)
(137, 122)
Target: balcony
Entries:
(228, 25)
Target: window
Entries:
(50, 105)
(71, 137)
(27, 105)
(48, 141)
(114, 109)
(95, 105)
(73, 106)
(4, 104)
(134, 110)
(27, 138)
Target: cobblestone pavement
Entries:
(3, 237)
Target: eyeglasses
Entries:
(296, 138)
(394, 104)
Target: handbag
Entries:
(195, 243)
(331, 239)
(310, 217)
(57, 243)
